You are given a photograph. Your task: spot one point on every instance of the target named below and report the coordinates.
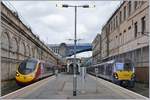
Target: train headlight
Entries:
(133, 76)
(17, 74)
(115, 75)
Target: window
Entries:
(143, 24)
(124, 31)
(109, 28)
(120, 17)
(135, 29)
(129, 8)
(119, 66)
(5, 41)
(5, 45)
(142, 2)
(116, 21)
(129, 27)
(128, 66)
(27, 66)
(124, 12)
(135, 5)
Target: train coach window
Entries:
(109, 69)
(102, 69)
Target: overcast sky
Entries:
(56, 25)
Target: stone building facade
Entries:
(126, 35)
(60, 49)
(96, 49)
(70, 64)
(18, 43)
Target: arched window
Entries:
(14, 45)
(22, 50)
(5, 45)
(27, 50)
(14, 48)
(5, 53)
(33, 52)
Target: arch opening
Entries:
(71, 69)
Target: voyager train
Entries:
(121, 72)
(31, 70)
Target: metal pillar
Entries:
(141, 56)
(74, 67)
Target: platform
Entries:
(60, 87)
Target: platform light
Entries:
(65, 5)
(92, 6)
(59, 5)
(88, 6)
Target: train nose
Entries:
(24, 78)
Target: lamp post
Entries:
(75, 42)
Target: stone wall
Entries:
(19, 43)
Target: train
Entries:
(121, 72)
(31, 70)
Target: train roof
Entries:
(114, 61)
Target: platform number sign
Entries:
(96, 70)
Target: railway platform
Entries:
(60, 87)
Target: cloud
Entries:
(54, 21)
(56, 25)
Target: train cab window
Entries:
(128, 66)
(27, 66)
(119, 66)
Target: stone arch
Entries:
(5, 44)
(27, 50)
(33, 52)
(22, 50)
(36, 52)
(71, 69)
(14, 47)
(5, 48)
(30, 51)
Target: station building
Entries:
(70, 65)
(126, 35)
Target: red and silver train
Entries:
(31, 70)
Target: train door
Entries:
(110, 70)
(41, 67)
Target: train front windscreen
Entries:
(124, 66)
(27, 66)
